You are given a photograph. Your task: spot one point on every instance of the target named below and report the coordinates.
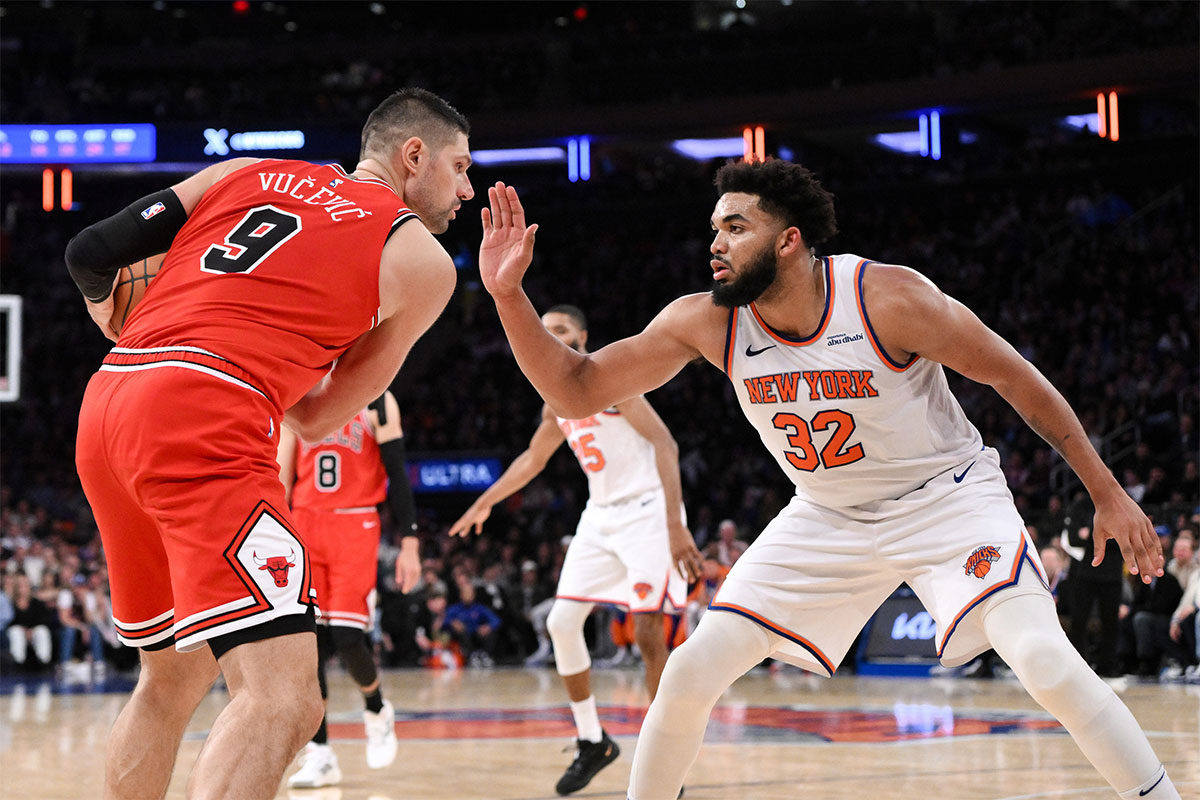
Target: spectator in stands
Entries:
(78, 608)
(1150, 612)
(1055, 562)
(728, 546)
(30, 626)
(1184, 631)
(472, 625)
(1093, 587)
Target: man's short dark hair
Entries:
(411, 112)
(786, 190)
(573, 312)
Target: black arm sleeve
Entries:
(139, 231)
(400, 496)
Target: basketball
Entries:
(131, 285)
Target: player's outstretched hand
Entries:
(408, 564)
(1119, 518)
(101, 313)
(684, 554)
(474, 517)
(507, 246)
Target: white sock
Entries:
(1157, 788)
(587, 720)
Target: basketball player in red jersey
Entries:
(838, 363)
(291, 293)
(333, 487)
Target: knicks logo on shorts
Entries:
(979, 563)
(642, 589)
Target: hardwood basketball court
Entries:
(500, 735)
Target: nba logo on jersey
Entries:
(152, 210)
(979, 563)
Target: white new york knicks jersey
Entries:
(846, 423)
(618, 461)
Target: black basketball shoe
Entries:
(590, 759)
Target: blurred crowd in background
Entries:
(1082, 254)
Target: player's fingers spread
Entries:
(1154, 548)
(494, 203)
(1099, 542)
(486, 215)
(515, 201)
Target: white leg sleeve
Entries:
(1025, 632)
(722, 648)
(565, 626)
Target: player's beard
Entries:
(754, 279)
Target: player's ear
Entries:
(583, 339)
(790, 241)
(411, 153)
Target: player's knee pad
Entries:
(565, 626)
(1026, 634)
(355, 655)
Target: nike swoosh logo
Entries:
(959, 478)
(648, 502)
(1145, 792)
(752, 352)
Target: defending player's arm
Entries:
(524, 468)
(384, 415)
(286, 456)
(416, 279)
(145, 228)
(645, 420)
(574, 384)
(911, 315)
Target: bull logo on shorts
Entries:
(979, 563)
(642, 589)
(278, 566)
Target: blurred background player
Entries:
(274, 270)
(632, 547)
(333, 487)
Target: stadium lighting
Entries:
(705, 149)
(1114, 131)
(579, 159)
(909, 142)
(518, 155)
(1082, 122)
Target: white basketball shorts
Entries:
(621, 556)
(816, 575)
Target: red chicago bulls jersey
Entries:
(274, 275)
(343, 471)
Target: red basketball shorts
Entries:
(179, 468)
(343, 549)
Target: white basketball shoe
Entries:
(381, 736)
(319, 768)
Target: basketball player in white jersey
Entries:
(837, 361)
(632, 547)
